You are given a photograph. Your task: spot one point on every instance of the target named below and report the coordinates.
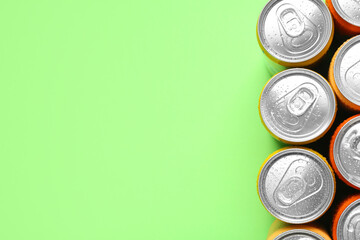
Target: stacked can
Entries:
(298, 106)
(294, 33)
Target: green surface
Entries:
(131, 120)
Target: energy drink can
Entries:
(346, 222)
(346, 15)
(344, 74)
(345, 151)
(297, 106)
(294, 33)
(283, 231)
(296, 185)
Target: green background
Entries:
(131, 120)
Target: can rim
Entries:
(337, 143)
(338, 59)
(313, 155)
(339, 227)
(328, 33)
(343, 15)
(327, 88)
(288, 233)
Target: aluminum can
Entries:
(294, 33)
(346, 221)
(345, 151)
(346, 16)
(296, 185)
(344, 74)
(284, 231)
(297, 106)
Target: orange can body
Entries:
(342, 25)
(344, 225)
(279, 228)
(332, 151)
(336, 79)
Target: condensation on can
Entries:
(296, 185)
(344, 151)
(295, 33)
(346, 16)
(344, 74)
(297, 106)
(284, 231)
(346, 219)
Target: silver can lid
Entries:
(294, 31)
(347, 70)
(296, 186)
(297, 105)
(346, 151)
(348, 227)
(349, 10)
(299, 234)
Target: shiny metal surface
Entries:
(347, 151)
(299, 234)
(296, 185)
(294, 30)
(297, 105)
(348, 227)
(347, 70)
(349, 10)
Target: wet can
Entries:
(346, 16)
(345, 151)
(297, 106)
(346, 221)
(294, 33)
(344, 74)
(284, 231)
(296, 185)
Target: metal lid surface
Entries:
(299, 234)
(294, 30)
(346, 151)
(296, 185)
(347, 70)
(297, 105)
(348, 227)
(349, 10)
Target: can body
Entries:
(283, 231)
(344, 74)
(345, 151)
(297, 106)
(346, 219)
(294, 33)
(345, 14)
(296, 185)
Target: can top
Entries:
(347, 227)
(297, 105)
(299, 234)
(294, 31)
(296, 185)
(346, 151)
(348, 10)
(347, 70)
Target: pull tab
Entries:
(291, 191)
(290, 20)
(352, 78)
(353, 227)
(299, 182)
(298, 33)
(301, 101)
(292, 111)
(352, 145)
